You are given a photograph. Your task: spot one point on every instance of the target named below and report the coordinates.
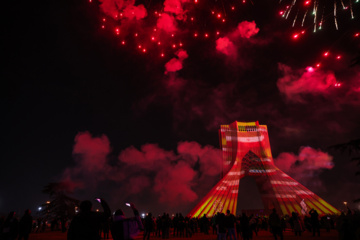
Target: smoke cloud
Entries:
(306, 166)
(226, 44)
(127, 7)
(295, 84)
(246, 29)
(173, 177)
(175, 64)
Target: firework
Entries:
(316, 12)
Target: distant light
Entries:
(318, 65)
(39, 208)
(357, 35)
(295, 36)
(47, 202)
(281, 12)
(307, 3)
(123, 42)
(232, 8)
(310, 69)
(162, 55)
(144, 50)
(143, 215)
(338, 57)
(326, 54)
(195, 34)
(219, 15)
(206, 35)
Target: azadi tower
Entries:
(246, 152)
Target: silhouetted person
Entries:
(205, 224)
(296, 223)
(86, 224)
(315, 225)
(230, 222)
(124, 228)
(245, 226)
(275, 225)
(148, 226)
(25, 225)
(220, 225)
(10, 227)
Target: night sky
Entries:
(131, 126)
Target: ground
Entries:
(288, 235)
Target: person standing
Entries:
(25, 225)
(86, 224)
(230, 222)
(10, 227)
(275, 225)
(315, 224)
(148, 226)
(220, 226)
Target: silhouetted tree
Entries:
(61, 207)
(354, 148)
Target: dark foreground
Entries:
(288, 235)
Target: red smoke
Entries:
(91, 152)
(167, 23)
(175, 64)
(296, 83)
(173, 184)
(305, 166)
(138, 12)
(172, 177)
(113, 7)
(246, 29)
(175, 7)
(209, 157)
(227, 46)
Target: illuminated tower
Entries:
(246, 152)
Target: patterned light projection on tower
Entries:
(246, 152)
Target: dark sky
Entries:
(78, 106)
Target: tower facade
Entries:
(246, 152)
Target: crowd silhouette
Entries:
(96, 225)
